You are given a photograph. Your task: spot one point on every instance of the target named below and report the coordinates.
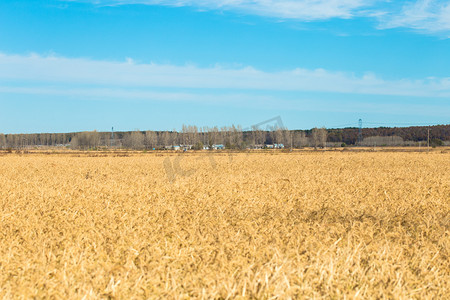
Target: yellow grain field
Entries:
(286, 225)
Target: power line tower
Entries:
(359, 131)
(112, 137)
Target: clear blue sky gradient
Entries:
(393, 62)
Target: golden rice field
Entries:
(287, 225)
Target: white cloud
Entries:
(237, 100)
(430, 16)
(289, 9)
(36, 70)
(426, 16)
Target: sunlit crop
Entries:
(258, 225)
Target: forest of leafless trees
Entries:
(229, 137)
(194, 137)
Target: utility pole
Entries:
(359, 132)
(112, 137)
(428, 140)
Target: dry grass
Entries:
(319, 225)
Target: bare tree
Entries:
(236, 136)
(323, 134)
(2, 141)
(94, 139)
(205, 135)
(275, 135)
(287, 139)
(75, 143)
(150, 139)
(319, 137)
(253, 136)
(184, 136)
(53, 138)
(174, 138)
(193, 136)
(12, 141)
(224, 136)
(260, 136)
(300, 139)
(315, 137)
(85, 140)
(165, 139)
(278, 135)
(213, 136)
(136, 140)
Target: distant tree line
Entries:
(349, 136)
(231, 137)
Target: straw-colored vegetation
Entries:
(366, 225)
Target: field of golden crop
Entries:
(286, 225)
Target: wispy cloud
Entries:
(237, 100)
(426, 16)
(431, 16)
(290, 9)
(38, 70)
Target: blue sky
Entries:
(158, 64)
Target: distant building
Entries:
(274, 146)
(218, 147)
